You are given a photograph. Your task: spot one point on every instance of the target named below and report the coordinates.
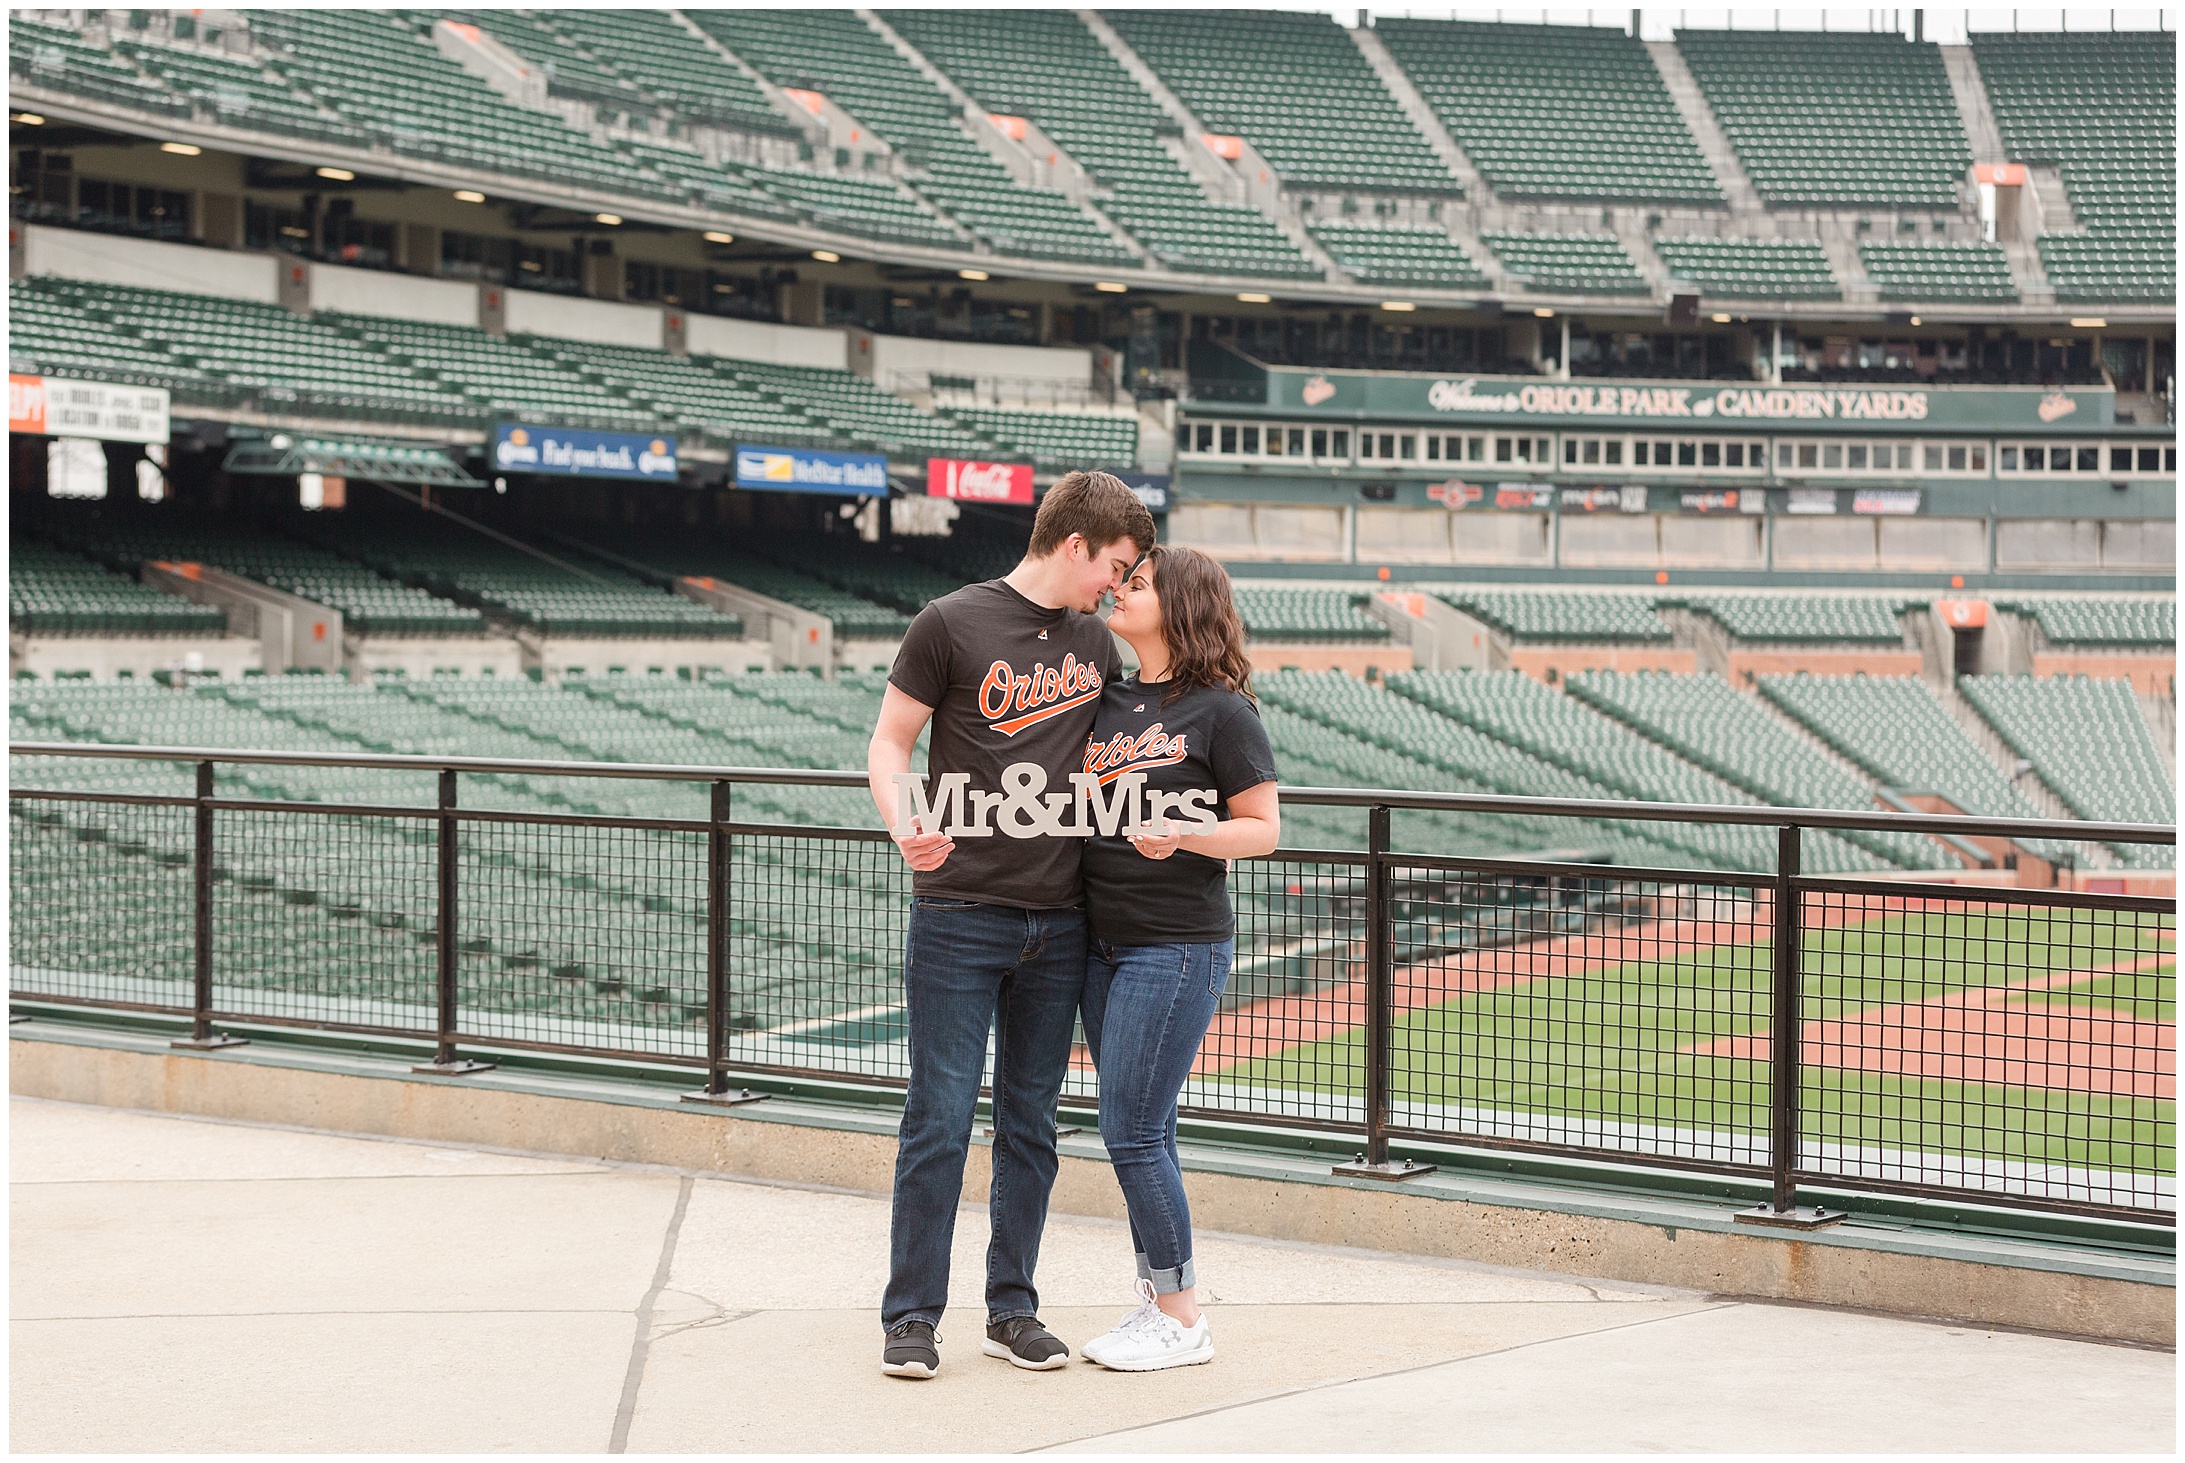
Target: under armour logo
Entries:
(1043, 634)
(1139, 707)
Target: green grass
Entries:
(1612, 1045)
(2145, 996)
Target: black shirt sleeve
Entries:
(1239, 753)
(922, 666)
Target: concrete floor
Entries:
(190, 1285)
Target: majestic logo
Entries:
(1012, 702)
(1124, 753)
(1025, 809)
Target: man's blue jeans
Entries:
(1147, 1008)
(967, 969)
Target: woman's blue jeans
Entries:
(1147, 1008)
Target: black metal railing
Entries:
(1908, 1035)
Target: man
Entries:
(1009, 673)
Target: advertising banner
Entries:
(50, 406)
(1730, 500)
(979, 482)
(1151, 488)
(1685, 403)
(1886, 500)
(805, 470)
(577, 452)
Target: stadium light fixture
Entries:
(28, 119)
(1109, 287)
(1914, 321)
(469, 195)
(1543, 312)
(719, 236)
(338, 175)
(2089, 322)
(181, 149)
(1250, 298)
(609, 219)
(826, 256)
(1401, 307)
(1720, 319)
(974, 275)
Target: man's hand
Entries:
(1158, 839)
(925, 852)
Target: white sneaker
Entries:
(1151, 1340)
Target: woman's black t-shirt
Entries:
(1206, 741)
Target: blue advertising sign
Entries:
(805, 470)
(576, 452)
(1151, 488)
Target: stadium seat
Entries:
(1752, 269)
(1939, 271)
(1581, 264)
(1559, 615)
(2088, 740)
(1398, 254)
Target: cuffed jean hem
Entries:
(1168, 1282)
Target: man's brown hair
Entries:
(1098, 505)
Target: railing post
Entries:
(1375, 1163)
(202, 1037)
(445, 1061)
(1784, 1025)
(719, 934)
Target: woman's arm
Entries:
(1254, 827)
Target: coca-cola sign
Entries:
(979, 482)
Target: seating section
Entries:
(1514, 708)
(1806, 619)
(51, 56)
(667, 64)
(1058, 440)
(1554, 111)
(234, 91)
(1940, 271)
(49, 334)
(2088, 740)
(1548, 615)
(1294, 86)
(370, 604)
(878, 208)
(1899, 734)
(1752, 269)
(227, 352)
(2102, 623)
(1705, 721)
(664, 558)
(501, 375)
(471, 569)
(1573, 264)
(836, 53)
(1395, 254)
(684, 390)
(54, 592)
(1045, 65)
(1834, 119)
(1318, 616)
(865, 570)
(854, 409)
(2102, 105)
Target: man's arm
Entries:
(902, 718)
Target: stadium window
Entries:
(1612, 453)
(2090, 459)
(1931, 458)
(1505, 449)
(2006, 458)
(1885, 456)
(1785, 454)
(1206, 437)
(1475, 449)
(1275, 440)
(1229, 441)
(1957, 459)
(1832, 455)
(1855, 457)
(1570, 449)
(1407, 446)
(1687, 454)
(1733, 454)
(1710, 454)
(1339, 442)
(1320, 442)
(1366, 445)
(1251, 442)
(1525, 449)
(2150, 459)
(1593, 451)
(2169, 459)
(1297, 441)
(1979, 453)
(1661, 453)
(1433, 449)
(2120, 459)
(1809, 454)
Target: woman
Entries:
(1158, 912)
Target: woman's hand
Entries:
(1158, 839)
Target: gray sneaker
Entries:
(1023, 1341)
(912, 1351)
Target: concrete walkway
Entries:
(189, 1285)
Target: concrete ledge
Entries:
(1873, 1264)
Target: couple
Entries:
(1019, 918)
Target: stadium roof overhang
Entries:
(283, 455)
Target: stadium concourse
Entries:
(1759, 420)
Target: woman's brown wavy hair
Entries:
(1199, 622)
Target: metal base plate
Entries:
(454, 1069)
(208, 1044)
(733, 1097)
(1389, 1169)
(1790, 1218)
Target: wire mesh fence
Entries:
(2014, 1046)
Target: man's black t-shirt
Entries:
(1009, 682)
(1208, 741)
